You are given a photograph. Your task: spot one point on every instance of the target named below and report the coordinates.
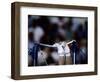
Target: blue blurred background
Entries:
(48, 29)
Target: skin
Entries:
(62, 60)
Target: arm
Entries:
(46, 45)
(71, 42)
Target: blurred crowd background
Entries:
(48, 29)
